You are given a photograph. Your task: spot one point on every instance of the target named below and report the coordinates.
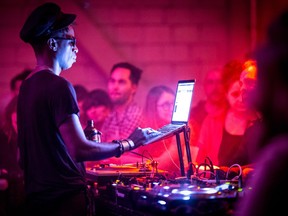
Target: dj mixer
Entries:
(140, 189)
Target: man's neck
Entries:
(212, 107)
(42, 67)
(48, 64)
(120, 108)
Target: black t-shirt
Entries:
(45, 101)
(229, 149)
(198, 113)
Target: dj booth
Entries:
(128, 190)
(142, 189)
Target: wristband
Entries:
(126, 145)
(131, 143)
(121, 148)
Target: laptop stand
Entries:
(184, 130)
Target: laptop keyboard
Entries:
(162, 132)
(168, 128)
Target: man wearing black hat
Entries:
(52, 143)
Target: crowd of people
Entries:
(242, 120)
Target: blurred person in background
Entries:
(214, 104)
(252, 133)
(9, 161)
(267, 186)
(97, 106)
(81, 94)
(238, 119)
(220, 138)
(157, 113)
(126, 114)
(15, 83)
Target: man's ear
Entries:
(52, 43)
(134, 88)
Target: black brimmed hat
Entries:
(44, 20)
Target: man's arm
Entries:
(79, 147)
(82, 149)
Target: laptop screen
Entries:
(183, 101)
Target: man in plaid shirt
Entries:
(126, 115)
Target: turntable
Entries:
(111, 172)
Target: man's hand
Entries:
(138, 136)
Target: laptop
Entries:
(180, 115)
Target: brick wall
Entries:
(169, 39)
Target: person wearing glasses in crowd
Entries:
(157, 112)
(53, 147)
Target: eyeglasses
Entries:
(71, 38)
(166, 105)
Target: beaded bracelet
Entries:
(124, 146)
(121, 148)
(130, 142)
